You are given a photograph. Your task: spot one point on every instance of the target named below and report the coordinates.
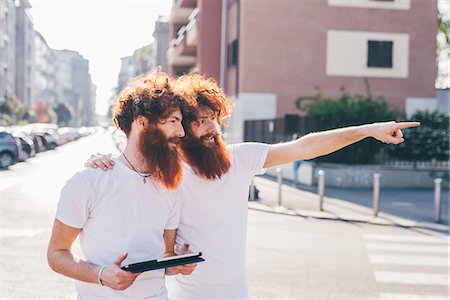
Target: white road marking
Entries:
(385, 296)
(408, 247)
(409, 260)
(411, 278)
(407, 238)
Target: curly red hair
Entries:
(150, 95)
(198, 90)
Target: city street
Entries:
(289, 257)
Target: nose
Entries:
(179, 131)
(212, 126)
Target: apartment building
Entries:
(45, 70)
(195, 33)
(267, 53)
(161, 43)
(16, 51)
(141, 62)
(24, 54)
(7, 49)
(74, 86)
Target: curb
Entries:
(383, 219)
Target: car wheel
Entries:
(52, 146)
(6, 159)
(25, 156)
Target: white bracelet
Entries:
(99, 275)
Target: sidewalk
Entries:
(305, 204)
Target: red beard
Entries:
(161, 161)
(209, 162)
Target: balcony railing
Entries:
(191, 29)
(181, 11)
(179, 54)
(182, 50)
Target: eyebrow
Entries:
(207, 116)
(175, 117)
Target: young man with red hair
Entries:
(130, 214)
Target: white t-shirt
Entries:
(214, 221)
(118, 213)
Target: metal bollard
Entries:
(321, 188)
(252, 190)
(376, 194)
(437, 199)
(280, 183)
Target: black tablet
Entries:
(171, 261)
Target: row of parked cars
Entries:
(18, 143)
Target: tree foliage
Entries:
(12, 111)
(443, 45)
(347, 110)
(63, 113)
(428, 142)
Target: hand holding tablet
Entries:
(166, 262)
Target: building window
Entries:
(379, 54)
(233, 53)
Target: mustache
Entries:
(174, 140)
(209, 135)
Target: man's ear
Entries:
(141, 121)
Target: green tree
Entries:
(12, 111)
(443, 48)
(53, 118)
(428, 142)
(346, 110)
(63, 113)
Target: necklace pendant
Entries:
(145, 181)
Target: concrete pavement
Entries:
(306, 204)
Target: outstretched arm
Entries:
(325, 142)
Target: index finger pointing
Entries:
(403, 125)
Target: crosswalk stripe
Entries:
(408, 248)
(411, 278)
(407, 238)
(409, 260)
(386, 296)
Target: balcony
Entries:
(186, 3)
(181, 11)
(180, 53)
(191, 29)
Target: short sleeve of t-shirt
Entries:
(75, 202)
(251, 156)
(175, 211)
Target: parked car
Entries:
(10, 149)
(27, 145)
(43, 140)
(51, 140)
(37, 141)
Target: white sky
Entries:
(102, 31)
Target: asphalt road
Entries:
(288, 257)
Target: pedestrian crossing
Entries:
(410, 267)
(410, 297)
